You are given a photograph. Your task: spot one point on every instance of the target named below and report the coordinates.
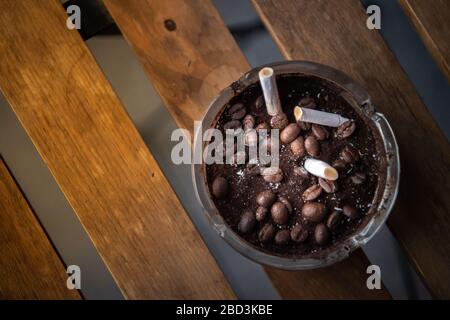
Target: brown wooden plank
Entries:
(189, 66)
(336, 35)
(432, 21)
(98, 158)
(29, 266)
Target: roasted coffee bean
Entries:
(312, 193)
(266, 233)
(279, 213)
(333, 220)
(312, 146)
(307, 102)
(345, 130)
(339, 164)
(288, 134)
(298, 147)
(321, 234)
(282, 237)
(301, 172)
(314, 211)
(259, 102)
(261, 213)
(286, 202)
(219, 187)
(263, 126)
(279, 121)
(351, 212)
(265, 198)
(350, 154)
(251, 138)
(248, 122)
(252, 169)
(328, 186)
(233, 124)
(247, 222)
(299, 233)
(358, 177)
(305, 126)
(237, 111)
(272, 174)
(319, 132)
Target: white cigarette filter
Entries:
(318, 117)
(270, 90)
(320, 169)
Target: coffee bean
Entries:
(312, 146)
(305, 126)
(247, 222)
(259, 102)
(328, 186)
(263, 126)
(301, 172)
(233, 124)
(279, 213)
(248, 122)
(350, 212)
(265, 198)
(251, 138)
(298, 147)
(314, 211)
(286, 202)
(299, 233)
(321, 234)
(350, 154)
(266, 233)
(282, 237)
(312, 193)
(237, 111)
(333, 220)
(358, 177)
(345, 130)
(307, 102)
(288, 134)
(279, 121)
(219, 187)
(339, 164)
(253, 169)
(272, 174)
(261, 213)
(320, 132)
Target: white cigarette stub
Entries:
(321, 169)
(270, 90)
(318, 117)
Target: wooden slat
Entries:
(432, 21)
(29, 266)
(336, 35)
(98, 158)
(189, 66)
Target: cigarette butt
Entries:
(318, 117)
(321, 169)
(270, 90)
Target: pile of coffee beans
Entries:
(285, 209)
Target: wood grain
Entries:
(432, 21)
(189, 66)
(29, 266)
(336, 35)
(97, 157)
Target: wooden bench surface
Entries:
(336, 35)
(188, 66)
(97, 157)
(29, 265)
(432, 21)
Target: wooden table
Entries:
(116, 188)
